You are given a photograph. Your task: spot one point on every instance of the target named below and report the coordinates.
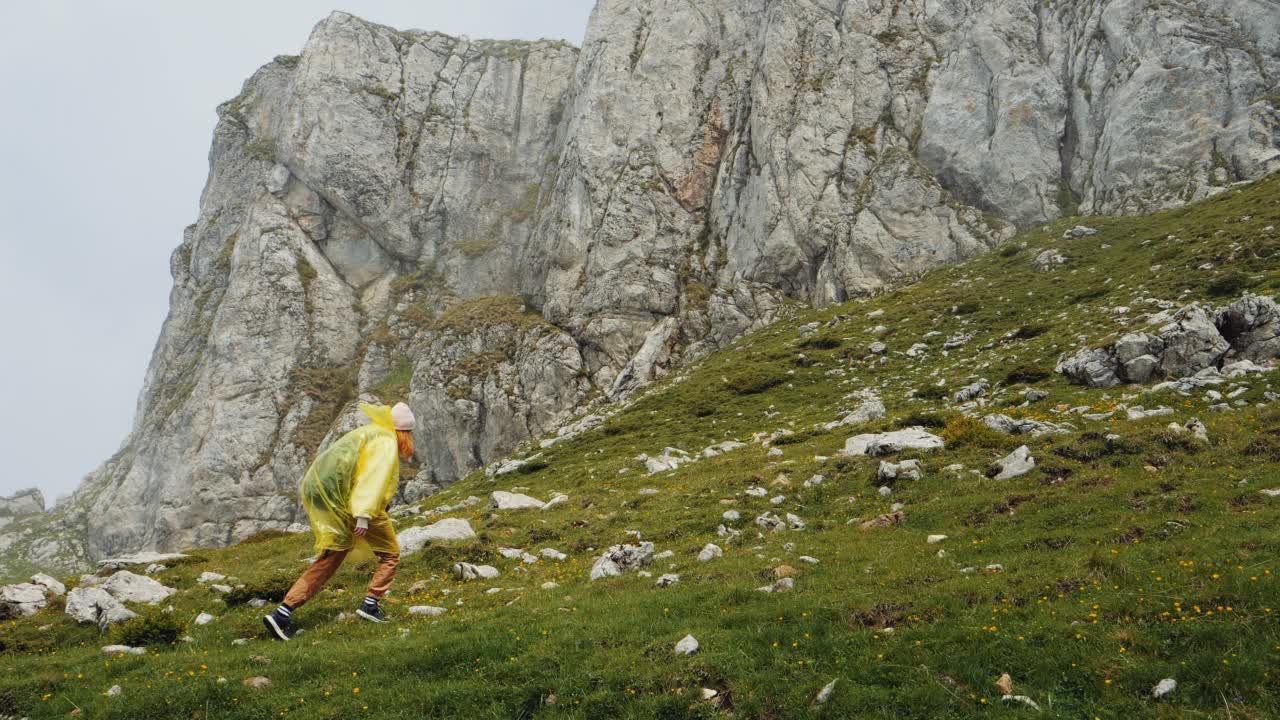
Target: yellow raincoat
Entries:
(356, 476)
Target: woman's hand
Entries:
(361, 531)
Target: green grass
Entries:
(1126, 560)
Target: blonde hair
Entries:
(404, 439)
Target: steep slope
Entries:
(505, 232)
(1131, 553)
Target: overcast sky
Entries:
(107, 114)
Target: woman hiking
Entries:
(346, 492)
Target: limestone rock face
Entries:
(498, 232)
(23, 502)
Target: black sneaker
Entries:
(279, 625)
(371, 612)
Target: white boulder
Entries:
(414, 539)
(501, 500)
(874, 444)
(1018, 462)
(21, 600)
(688, 645)
(95, 605)
(49, 583)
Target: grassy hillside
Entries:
(1124, 560)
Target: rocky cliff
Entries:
(505, 232)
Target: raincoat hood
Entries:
(355, 477)
(380, 415)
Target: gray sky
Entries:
(105, 125)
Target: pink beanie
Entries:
(402, 417)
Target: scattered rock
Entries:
(688, 645)
(128, 587)
(1141, 413)
(710, 552)
(1048, 260)
(971, 392)
(501, 500)
(1194, 426)
(721, 448)
(670, 459)
(872, 408)
(552, 554)
(123, 650)
(1163, 688)
(414, 539)
(784, 571)
(22, 600)
(556, 501)
(428, 610)
(1018, 462)
(204, 619)
(1021, 699)
(875, 444)
(257, 683)
(114, 691)
(825, 693)
(95, 605)
(884, 521)
(1023, 426)
(622, 558)
(467, 571)
(668, 580)
(770, 522)
(905, 470)
(1194, 341)
(935, 539)
(209, 577)
(782, 585)
(510, 465)
(731, 516)
(1005, 684)
(1078, 231)
(141, 558)
(49, 584)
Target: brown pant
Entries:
(319, 572)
